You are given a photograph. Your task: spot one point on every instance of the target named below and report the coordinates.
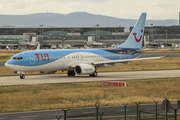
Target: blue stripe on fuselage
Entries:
(64, 52)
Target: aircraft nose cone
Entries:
(6, 65)
(9, 66)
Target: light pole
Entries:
(152, 32)
(96, 32)
(166, 37)
(73, 36)
(41, 32)
(116, 35)
(97, 39)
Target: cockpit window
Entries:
(18, 58)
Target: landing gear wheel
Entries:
(22, 76)
(94, 74)
(90, 75)
(68, 73)
(71, 73)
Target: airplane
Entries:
(81, 61)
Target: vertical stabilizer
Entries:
(136, 36)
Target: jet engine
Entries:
(84, 69)
(47, 72)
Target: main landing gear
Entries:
(94, 74)
(71, 73)
(22, 76)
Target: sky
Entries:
(127, 9)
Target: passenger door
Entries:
(32, 59)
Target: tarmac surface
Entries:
(104, 76)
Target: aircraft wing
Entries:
(170, 51)
(125, 60)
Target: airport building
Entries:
(60, 35)
(10, 36)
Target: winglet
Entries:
(38, 46)
(169, 51)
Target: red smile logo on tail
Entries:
(137, 40)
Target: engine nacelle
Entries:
(47, 72)
(84, 69)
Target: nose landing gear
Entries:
(22, 76)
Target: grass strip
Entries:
(73, 95)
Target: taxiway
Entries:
(104, 76)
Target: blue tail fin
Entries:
(136, 36)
